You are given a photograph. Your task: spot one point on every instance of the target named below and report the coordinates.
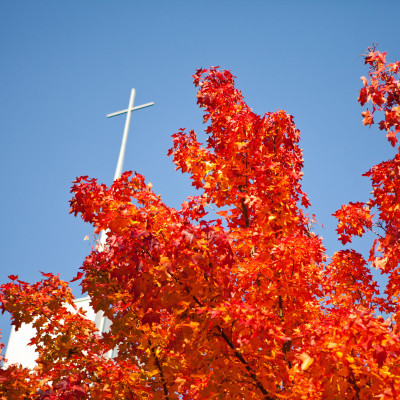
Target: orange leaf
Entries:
(368, 120)
(307, 361)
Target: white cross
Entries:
(128, 112)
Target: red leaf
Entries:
(380, 355)
(78, 276)
(49, 275)
(368, 120)
(151, 318)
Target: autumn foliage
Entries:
(245, 306)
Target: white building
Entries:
(18, 350)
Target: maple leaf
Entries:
(78, 276)
(306, 361)
(47, 275)
(380, 355)
(368, 120)
(151, 318)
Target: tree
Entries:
(241, 307)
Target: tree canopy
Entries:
(245, 306)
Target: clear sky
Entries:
(64, 65)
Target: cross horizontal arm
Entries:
(132, 109)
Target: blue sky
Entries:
(65, 65)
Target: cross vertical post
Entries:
(118, 170)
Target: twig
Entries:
(164, 384)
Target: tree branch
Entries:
(164, 383)
(240, 357)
